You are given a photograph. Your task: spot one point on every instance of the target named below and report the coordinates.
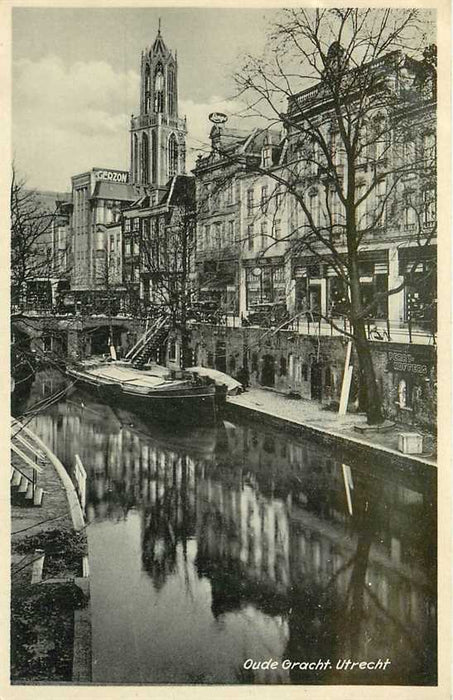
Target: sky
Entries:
(76, 80)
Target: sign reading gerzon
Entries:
(113, 175)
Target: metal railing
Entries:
(311, 324)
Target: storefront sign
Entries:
(407, 362)
(112, 176)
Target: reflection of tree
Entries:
(325, 624)
(166, 523)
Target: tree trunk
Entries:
(367, 375)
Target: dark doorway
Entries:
(220, 356)
(268, 371)
(316, 381)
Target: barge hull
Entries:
(192, 405)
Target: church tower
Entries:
(158, 135)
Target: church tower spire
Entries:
(158, 134)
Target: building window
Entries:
(315, 208)
(283, 366)
(147, 89)
(127, 248)
(127, 225)
(264, 198)
(159, 89)
(335, 147)
(200, 237)
(403, 394)
(154, 156)
(231, 232)
(277, 229)
(419, 269)
(409, 215)
(250, 235)
(229, 192)
(217, 234)
(361, 207)
(172, 156)
(171, 91)
(263, 234)
(207, 234)
(409, 152)
(429, 207)
(380, 137)
(207, 197)
(265, 285)
(249, 202)
(145, 159)
(136, 158)
(429, 150)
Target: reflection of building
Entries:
(272, 527)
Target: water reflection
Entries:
(240, 543)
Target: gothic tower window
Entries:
(172, 156)
(147, 90)
(159, 89)
(171, 91)
(145, 159)
(153, 157)
(136, 158)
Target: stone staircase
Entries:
(24, 491)
(27, 462)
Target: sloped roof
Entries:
(50, 200)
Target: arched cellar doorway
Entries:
(268, 371)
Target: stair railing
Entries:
(146, 338)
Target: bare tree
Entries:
(34, 257)
(349, 152)
(167, 257)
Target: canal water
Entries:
(215, 550)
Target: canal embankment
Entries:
(50, 586)
(308, 418)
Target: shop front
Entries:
(321, 291)
(265, 288)
(419, 269)
(218, 286)
(413, 371)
